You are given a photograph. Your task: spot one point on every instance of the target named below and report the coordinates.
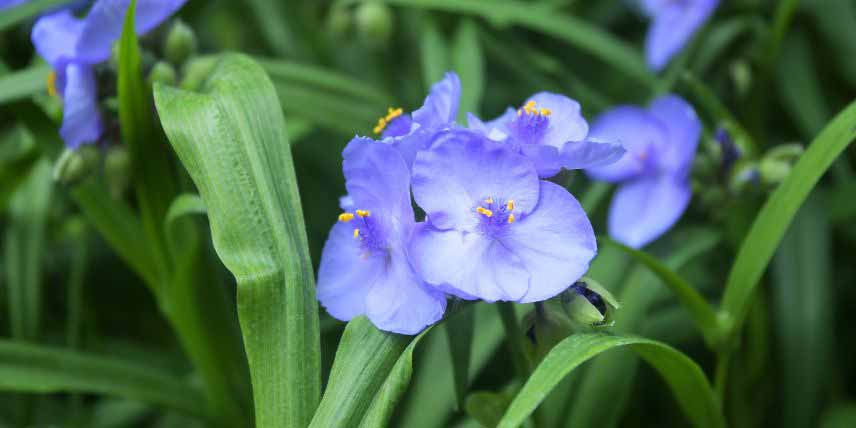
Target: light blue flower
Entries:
(73, 46)
(494, 231)
(365, 268)
(549, 130)
(673, 23)
(654, 174)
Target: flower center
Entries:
(366, 231)
(530, 124)
(494, 214)
(52, 84)
(391, 114)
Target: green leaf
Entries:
(364, 359)
(32, 9)
(393, 388)
(840, 416)
(18, 154)
(274, 27)
(801, 297)
(487, 407)
(574, 31)
(434, 52)
(686, 379)
(25, 248)
(47, 370)
(609, 378)
(24, 83)
(152, 173)
(799, 85)
(468, 61)
(702, 313)
(231, 139)
(836, 22)
(771, 223)
(322, 79)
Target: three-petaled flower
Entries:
(654, 174)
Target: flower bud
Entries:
(374, 22)
(589, 303)
(196, 71)
(162, 72)
(117, 170)
(180, 43)
(545, 328)
(75, 165)
(777, 163)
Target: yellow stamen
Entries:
(529, 108)
(546, 112)
(510, 204)
(363, 213)
(52, 84)
(484, 211)
(488, 201)
(511, 218)
(391, 113)
(356, 233)
(346, 217)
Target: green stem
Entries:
(516, 339)
(721, 375)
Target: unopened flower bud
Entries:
(589, 303)
(777, 163)
(162, 72)
(180, 43)
(374, 22)
(745, 175)
(75, 165)
(196, 72)
(117, 170)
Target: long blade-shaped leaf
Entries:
(232, 140)
(468, 61)
(24, 83)
(686, 379)
(43, 369)
(28, 10)
(363, 361)
(773, 220)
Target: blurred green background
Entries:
(771, 72)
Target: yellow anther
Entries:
(511, 218)
(363, 213)
(488, 201)
(510, 204)
(346, 217)
(356, 233)
(546, 112)
(52, 84)
(484, 211)
(519, 112)
(529, 108)
(391, 113)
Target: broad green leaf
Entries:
(24, 83)
(25, 247)
(685, 378)
(459, 332)
(468, 61)
(47, 370)
(433, 52)
(28, 10)
(393, 388)
(801, 297)
(776, 215)
(702, 313)
(609, 378)
(365, 358)
(231, 139)
(151, 168)
(574, 31)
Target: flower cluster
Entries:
(75, 46)
(493, 230)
